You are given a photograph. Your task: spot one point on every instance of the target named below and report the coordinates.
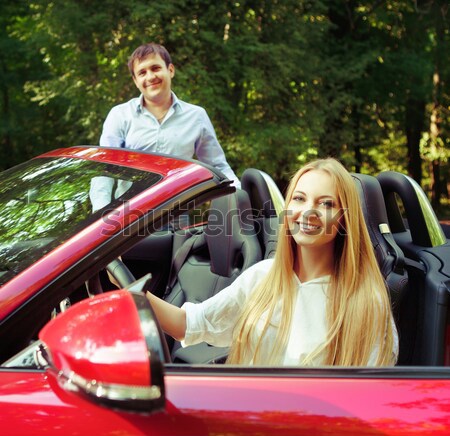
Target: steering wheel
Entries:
(118, 271)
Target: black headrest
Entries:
(421, 218)
(389, 255)
(373, 207)
(253, 182)
(230, 224)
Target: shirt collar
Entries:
(318, 280)
(140, 104)
(175, 102)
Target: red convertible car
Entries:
(82, 355)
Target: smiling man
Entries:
(157, 120)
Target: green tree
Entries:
(380, 88)
(23, 124)
(283, 80)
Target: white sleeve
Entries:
(112, 133)
(213, 320)
(100, 192)
(209, 150)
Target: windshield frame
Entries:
(47, 201)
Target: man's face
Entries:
(153, 78)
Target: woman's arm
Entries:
(172, 319)
(214, 319)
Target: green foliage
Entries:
(283, 80)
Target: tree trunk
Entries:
(414, 123)
(435, 142)
(6, 145)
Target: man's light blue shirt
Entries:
(186, 131)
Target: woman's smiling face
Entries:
(314, 210)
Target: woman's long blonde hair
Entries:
(359, 311)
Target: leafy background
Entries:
(284, 81)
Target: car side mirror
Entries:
(109, 348)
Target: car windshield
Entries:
(46, 201)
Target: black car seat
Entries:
(416, 229)
(389, 255)
(208, 261)
(263, 193)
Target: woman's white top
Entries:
(214, 320)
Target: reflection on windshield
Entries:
(105, 189)
(46, 201)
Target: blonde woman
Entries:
(321, 301)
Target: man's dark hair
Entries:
(148, 49)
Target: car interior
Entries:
(241, 229)
(195, 261)
(423, 312)
(208, 257)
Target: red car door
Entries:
(220, 400)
